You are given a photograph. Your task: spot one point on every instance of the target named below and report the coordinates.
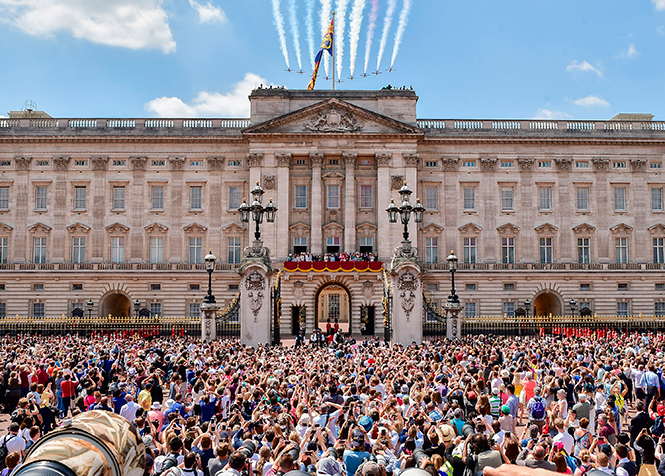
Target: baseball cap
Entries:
(370, 469)
(365, 422)
(505, 409)
(661, 409)
(357, 438)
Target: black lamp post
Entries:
(527, 306)
(452, 267)
(137, 307)
(573, 307)
(210, 267)
(90, 305)
(405, 210)
(257, 210)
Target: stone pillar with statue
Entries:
(209, 305)
(453, 305)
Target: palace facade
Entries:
(119, 210)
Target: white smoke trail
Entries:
(387, 21)
(279, 24)
(293, 19)
(370, 32)
(340, 27)
(309, 13)
(403, 20)
(354, 31)
(326, 15)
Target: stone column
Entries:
(383, 190)
(138, 208)
(411, 177)
(528, 244)
(316, 245)
(208, 322)
(21, 240)
(283, 205)
(350, 207)
(407, 319)
(100, 193)
(454, 320)
(179, 196)
(601, 199)
(254, 161)
(489, 244)
(61, 208)
(254, 303)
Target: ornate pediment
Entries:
(366, 229)
(432, 229)
(333, 116)
(584, 229)
(508, 229)
(333, 176)
(657, 229)
(546, 229)
(156, 228)
(234, 228)
(5, 228)
(39, 227)
(194, 229)
(299, 229)
(117, 228)
(333, 228)
(78, 228)
(470, 229)
(621, 229)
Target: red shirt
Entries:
(68, 388)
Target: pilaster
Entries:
(316, 246)
(383, 184)
(283, 204)
(350, 209)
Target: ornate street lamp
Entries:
(89, 305)
(573, 307)
(257, 210)
(527, 306)
(452, 267)
(137, 307)
(405, 210)
(210, 267)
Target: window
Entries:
(544, 164)
(546, 250)
(431, 163)
(78, 249)
(622, 286)
(118, 249)
(42, 163)
(582, 164)
(119, 163)
(155, 287)
(655, 165)
(157, 201)
(37, 309)
(470, 309)
(156, 250)
(621, 248)
(509, 286)
(507, 198)
(155, 309)
(332, 244)
(507, 250)
(194, 287)
(469, 250)
(620, 199)
(506, 164)
(470, 286)
(619, 165)
(659, 250)
(585, 287)
(79, 198)
(509, 309)
(545, 196)
(432, 287)
(5, 163)
(39, 250)
(194, 310)
(234, 197)
(3, 310)
(431, 250)
(38, 287)
(196, 198)
(583, 198)
(432, 198)
(301, 196)
(469, 198)
(40, 198)
(656, 199)
(365, 196)
(195, 247)
(366, 244)
(622, 308)
(659, 308)
(365, 162)
(4, 198)
(234, 250)
(585, 305)
(333, 196)
(234, 287)
(300, 244)
(77, 287)
(158, 163)
(304, 162)
(196, 163)
(584, 250)
(118, 198)
(235, 163)
(469, 163)
(333, 162)
(4, 249)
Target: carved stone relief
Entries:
(215, 163)
(331, 120)
(407, 285)
(255, 284)
(396, 182)
(268, 182)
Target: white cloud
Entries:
(134, 24)
(591, 101)
(206, 104)
(660, 30)
(584, 66)
(208, 13)
(660, 4)
(631, 52)
(548, 114)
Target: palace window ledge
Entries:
(547, 266)
(89, 266)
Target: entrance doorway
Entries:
(333, 305)
(297, 319)
(546, 304)
(367, 318)
(117, 305)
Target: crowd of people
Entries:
(357, 256)
(483, 404)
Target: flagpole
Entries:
(333, 51)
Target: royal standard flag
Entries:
(326, 45)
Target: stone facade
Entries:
(117, 210)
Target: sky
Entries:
(563, 59)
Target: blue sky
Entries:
(480, 59)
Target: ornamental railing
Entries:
(546, 266)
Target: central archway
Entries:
(116, 305)
(333, 302)
(547, 303)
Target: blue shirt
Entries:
(353, 459)
(207, 411)
(118, 402)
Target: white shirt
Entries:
(14, 443)
(128, 410)
(567, 440)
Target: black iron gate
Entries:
(434, 325)
(276, 309)
(228, 320)
(387, 302)
(367, 320)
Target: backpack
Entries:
(538, 409)
(171, 462)
(4, 451)
(658, 427)
(18, 415)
